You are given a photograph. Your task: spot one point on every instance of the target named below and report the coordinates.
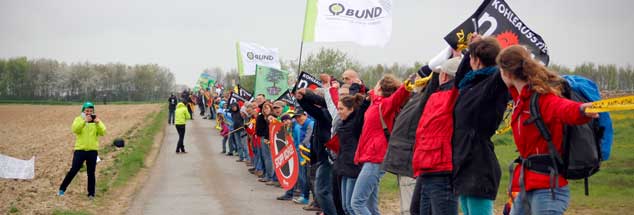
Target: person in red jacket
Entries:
(387, 98)
(524, 76)
(432, 150)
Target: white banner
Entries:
(251, 54)
(13, 168)
(365, 22)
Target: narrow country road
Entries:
(204, 181)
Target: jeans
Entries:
(436, 196)
(347, 187)
(245, 146)
(268, 161)
(304, 182)
(232, 143)
(237, 139)
(224, 144)
(78, 159)
(181, 138)
(541, 202)
(472, 205)
(323, 188)
(212, 113)
(258, 160)
(365, 197)
(170, 117)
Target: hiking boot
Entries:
(301, 201)
(270, 183)
(259, 173)
(263, 180)
(60, 193)
(284, 198)
(239, 160)
(277, 184)
(91, 197)
(229, 154)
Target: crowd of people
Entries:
(342, 132)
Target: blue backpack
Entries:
(589, 90)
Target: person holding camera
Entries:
(87, 128)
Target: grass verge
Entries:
(53, 102)
(128, 163)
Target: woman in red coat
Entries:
(387, 98)
(524, 77)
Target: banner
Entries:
(613, 104)
(270, 81)
(365, 22)
(288, 98)
(305, 80)
(244, 93)
(251, 54)
(495, 18)
(237, 98)
(13, 168)
(285, 160)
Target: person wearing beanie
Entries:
(87, 128)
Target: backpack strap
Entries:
(536, 118)
(386, 131)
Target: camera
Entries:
(93, 116)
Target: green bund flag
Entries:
(270, 81)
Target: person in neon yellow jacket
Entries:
(182, 115)
(87, 128)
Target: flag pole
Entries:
(301, 48)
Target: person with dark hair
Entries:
(351, 109)
(478, 111)
(524, 77)
(238, 132)
(387, 98)
(262, 130)
(171, 108)
(315, 106)
(87, 128)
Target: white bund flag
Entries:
(365, 22)
(251, 54)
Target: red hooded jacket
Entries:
(556, 111)
(432, 150)
(372, 143)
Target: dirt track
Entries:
(204, 181)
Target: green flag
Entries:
(270, 81)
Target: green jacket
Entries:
(87, 134)
(181, 114)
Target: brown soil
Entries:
(44, 132)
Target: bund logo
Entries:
(336, 9)
(250, 55)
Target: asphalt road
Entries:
(204, 181)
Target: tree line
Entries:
(333, 62)
(46, 79)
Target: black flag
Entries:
(305, 80)
(244, 93)
(495, 18)
(288, 98)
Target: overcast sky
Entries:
(188, 36)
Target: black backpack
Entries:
(581, 147)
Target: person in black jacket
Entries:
(172, 108)
(238, 128)
(477, 114)
(262, 130)
(315, 106)
(351, 110)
